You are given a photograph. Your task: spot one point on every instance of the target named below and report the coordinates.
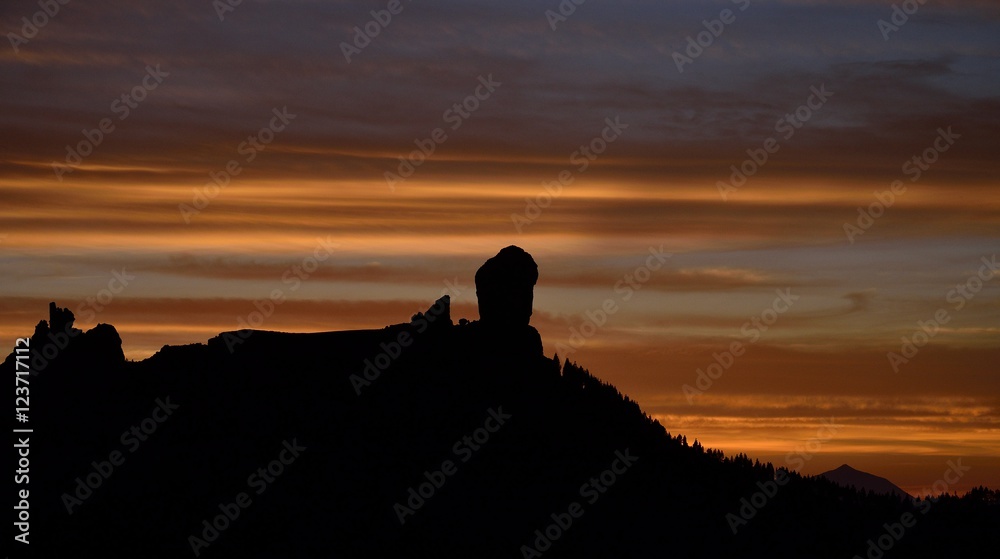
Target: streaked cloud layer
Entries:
(320, 174)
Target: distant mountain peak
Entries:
(846, 476)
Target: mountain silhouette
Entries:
(863, 481)
(420, 439)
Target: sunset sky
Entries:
(511, 99)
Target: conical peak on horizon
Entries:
(847, 476)
(505, 288)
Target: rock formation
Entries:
(505, 288)
(437, 316)
(56, 339)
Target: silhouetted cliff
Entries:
(421, 439)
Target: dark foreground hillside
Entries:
(286, 446)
